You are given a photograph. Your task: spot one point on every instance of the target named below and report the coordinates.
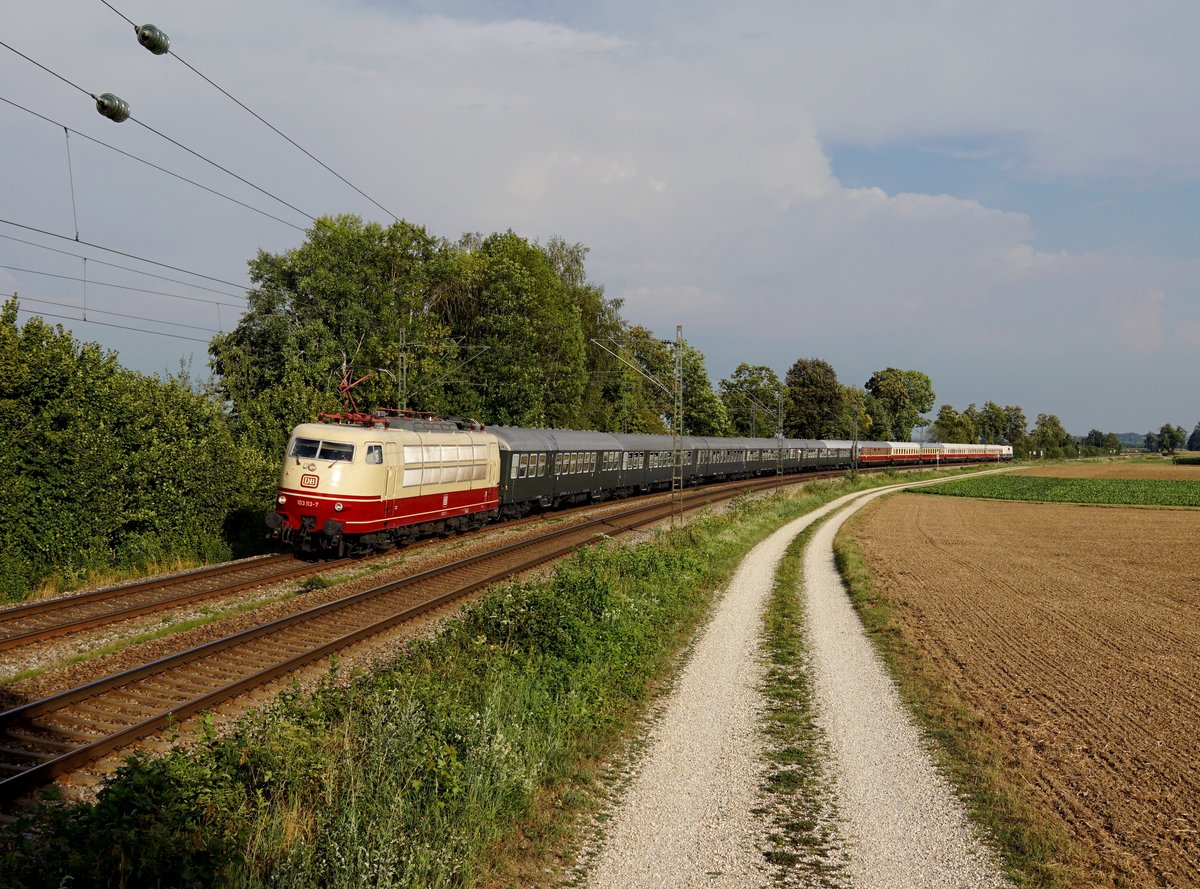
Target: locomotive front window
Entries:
(336, 450)
(305, 447)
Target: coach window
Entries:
(541, 469)
(524, 466)
(558, 461)
(374, 453)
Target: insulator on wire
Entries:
(153, 39)
(113, 107)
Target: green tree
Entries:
(905, 394)
(703, 411)
(854, 422)
(1151, 442)
(751, 396)
(1049, 436)
(103, 467)
(953, 427)
(1094, 438)
(645, 375)
(814, 399)
(1014, 425)
(1171, 437)
(602, 328)
(1112, 444)
(532, 365)
(1193, 442)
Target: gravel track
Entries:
(903, 822)
(688, 817)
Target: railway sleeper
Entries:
(83, 731)
(19, 753)
(25, 737)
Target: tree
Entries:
(1112, 444)
(349, 294)
(953, 427)
(1094, 438)
(600, 318)
(905, 394)
(854, 422)
(1151, 441)
(992, 423)
(1014, 424)
(751, 396)
(103, 466)
(1049, 436)
(814, 399)
(1171, 437)
(1193, 442)
(703, 411)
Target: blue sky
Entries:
(1000, 195)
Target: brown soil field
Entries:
(1116, 469)
(1073, 632)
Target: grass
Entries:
(805, 845)
(1128, 492)
(1036, 850)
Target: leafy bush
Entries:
(102, 467)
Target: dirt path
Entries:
(688, 818)
(903, 822)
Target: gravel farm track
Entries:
(1072, 632)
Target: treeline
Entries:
(102, 467)
(106, 468)
(1168, 439)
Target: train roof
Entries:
(517, 438)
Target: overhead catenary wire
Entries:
(174, 268)
(177, 336)
(126, 268)
(258, 117)
(50, 302)
(94, 283)
(141, 160)
(162, 135)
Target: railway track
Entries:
(48, 737)
(39, 621)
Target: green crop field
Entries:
(1134, 492)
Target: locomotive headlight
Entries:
(281, 500)
(337, 507)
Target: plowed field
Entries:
(1074, 631)
(1116, 469)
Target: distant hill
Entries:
(1132, 439)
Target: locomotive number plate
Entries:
(307, 504)
(309, 481)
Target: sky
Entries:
(1002, 195)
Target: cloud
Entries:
(683, 143)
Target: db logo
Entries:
(309, 481)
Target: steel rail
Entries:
(19, 637)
